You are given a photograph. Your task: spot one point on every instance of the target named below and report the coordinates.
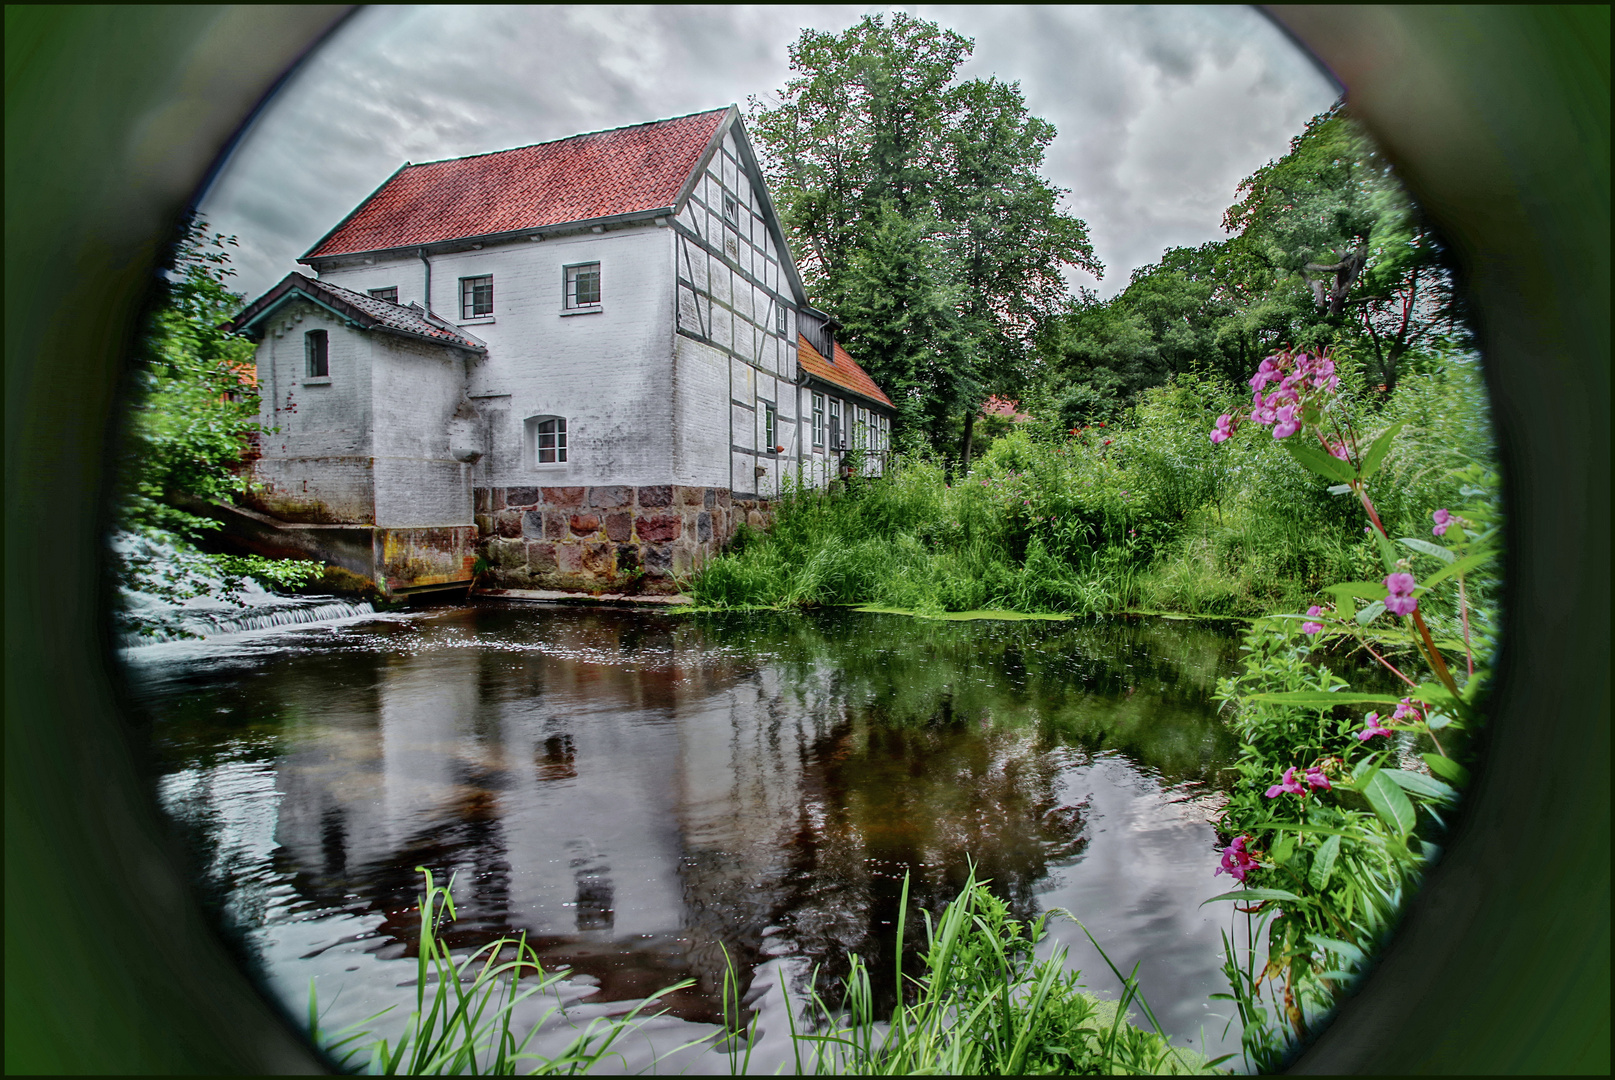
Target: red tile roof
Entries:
(844, 373)
(581, 178)
(1005, 407)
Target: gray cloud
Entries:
(1161, 111)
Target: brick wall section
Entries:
(611, 538)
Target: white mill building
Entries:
(587, 360)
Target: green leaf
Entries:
(1315, 460)
(1253, 895)
(1335, 945)
(1323, 864)
(1437, 721)
(1420, 785)
(1282, 851)
(1317, 699)
(1425, 546)
(1379, 447)
(1390, 803)
(1340, 489)
(1387, 553)
(1370, 613)
(1447, 768)
(1462, 566)
(1367, 590)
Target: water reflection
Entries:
(649, 797)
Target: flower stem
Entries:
(1463, 613)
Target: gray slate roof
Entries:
(360, 309)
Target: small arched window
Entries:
(546, 440)
(316, 348)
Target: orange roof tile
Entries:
(580, 178)
(844, 373)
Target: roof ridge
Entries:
(569, 138)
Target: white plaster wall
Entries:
(417, 386)
(319, 448)
(608, 372)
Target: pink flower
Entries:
(1443, 519)
(1225, 428)
(1236, 860)
(1287, 423)
(1289, 784)
(1399, 600)
(1313, 627)
(1374, 728)
(1316, 780)
(1405, 709)
(1338, 450)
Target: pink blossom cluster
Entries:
(1444, 520)
(1236, 859)
(1300, 377)
(1399, 594)
(1405, 710)
(1315, 781)
(1313, 627)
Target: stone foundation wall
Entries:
(605, 539)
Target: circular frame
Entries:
(1498, 119)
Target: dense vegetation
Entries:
(194, 407)
(1144, 513)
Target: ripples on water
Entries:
(644, 794)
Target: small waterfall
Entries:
(149, 619)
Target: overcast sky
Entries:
(1160, 111)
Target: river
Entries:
(646, 794)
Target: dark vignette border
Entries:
(1499, 121)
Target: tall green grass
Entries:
(1146, 514)
(983, 1005)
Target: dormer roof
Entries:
(599, 176)
(359, 310)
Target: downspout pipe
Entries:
(427, 304)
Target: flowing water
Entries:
(649, 796)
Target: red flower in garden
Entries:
(1288, 785)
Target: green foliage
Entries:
(1141, 513)
(1326, 249)
(914, 197)
(984, 1006)
(195, 407)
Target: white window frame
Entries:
(569, 286)
(818, 421)
(533, 438)
(375, 294)
(838, 435)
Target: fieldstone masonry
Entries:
(618, 538)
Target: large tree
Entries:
(1327, 249)
(876, 150)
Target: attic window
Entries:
(476, 296)
(731, 209)
(779, 319)
(316, 349)
(389, 294)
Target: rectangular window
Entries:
(583, 286)
(731, 209)
(779, 318)
(476, 296)
(389, 294)
(836, 436)
(818, 421)
(860, 437)
(549, 440)
(770, 428)
(316, 348)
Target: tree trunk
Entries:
(970, 431)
